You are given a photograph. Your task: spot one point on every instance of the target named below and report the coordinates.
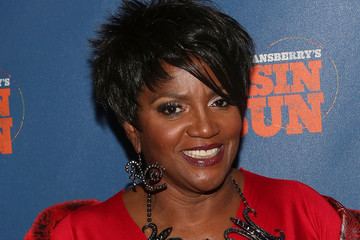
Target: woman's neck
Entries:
(192, 215)
(182, 210)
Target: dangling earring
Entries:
(148, 178)
(134, 169)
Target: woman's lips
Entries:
(204, 156)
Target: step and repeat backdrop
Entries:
(302, 122)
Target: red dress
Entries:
(299, 211)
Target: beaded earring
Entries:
(148, 177)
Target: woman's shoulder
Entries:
(58, 220)
(100, 221)
(49, 218)
(296, 203)
(107, 209)
(284, 191)
(284, 188)
(287, 195)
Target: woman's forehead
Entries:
(183, 82)
(179, 84)
(180, 74)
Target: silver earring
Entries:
(148, 178)
(134, 169)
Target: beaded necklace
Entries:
(246, 228)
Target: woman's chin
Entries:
(206, 183)
(198, 177)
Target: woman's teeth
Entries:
(202, 154)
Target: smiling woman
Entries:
(176, 74)
(183, 128)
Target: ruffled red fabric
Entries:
(350, 227)
(47, 220)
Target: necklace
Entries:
(246, 228)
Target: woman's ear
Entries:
(133, 135)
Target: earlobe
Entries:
(133, 135)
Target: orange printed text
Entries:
(5, 122)
(285, 96)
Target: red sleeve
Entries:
(108, 220)
(63, 230)
(295, 208)
(323, 217)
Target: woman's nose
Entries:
(203, 124)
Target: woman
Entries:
(176, 74)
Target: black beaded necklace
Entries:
(246, 228)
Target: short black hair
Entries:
(132, 47)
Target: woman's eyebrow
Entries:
(177, 96)
(171, 95)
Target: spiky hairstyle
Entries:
(134, 44)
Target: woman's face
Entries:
(189, 130)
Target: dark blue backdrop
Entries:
(61, 152)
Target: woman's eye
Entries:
(219, 102)
(170, 108)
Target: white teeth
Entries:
(202, 154)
